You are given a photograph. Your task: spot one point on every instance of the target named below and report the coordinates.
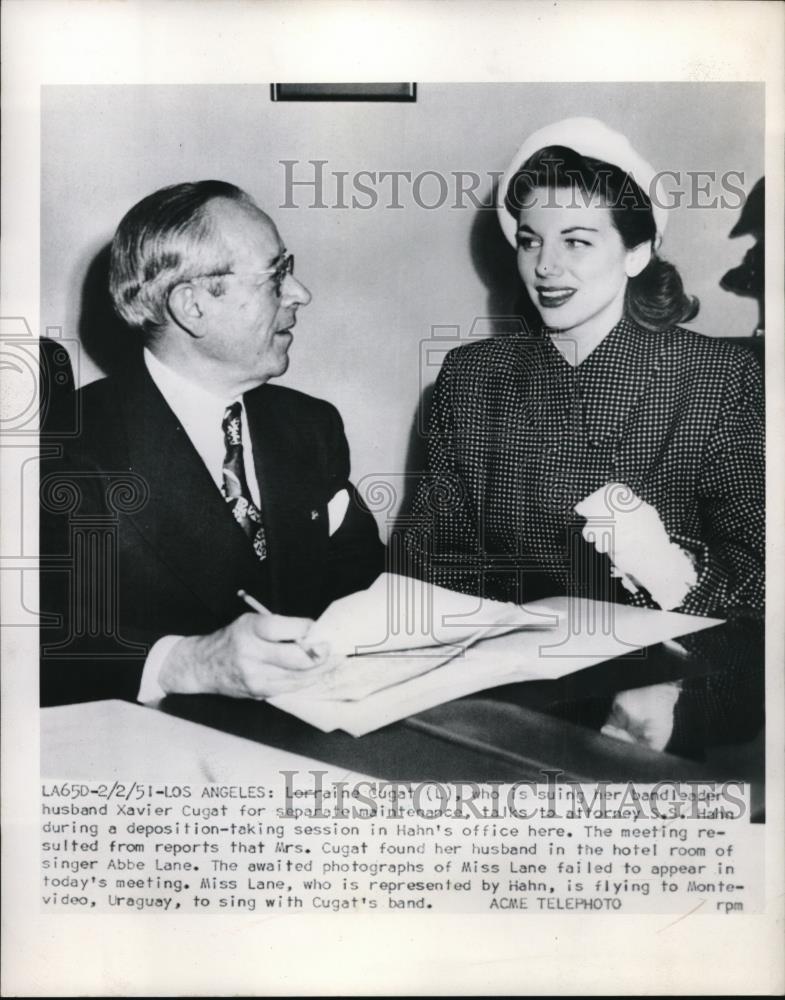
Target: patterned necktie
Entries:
(235, 487)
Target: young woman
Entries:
(612, 454)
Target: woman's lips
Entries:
(552, 298)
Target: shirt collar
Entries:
(200, 413)
(192, 404)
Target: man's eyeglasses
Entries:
(278, 273)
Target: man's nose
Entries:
(548, 261)
(295, 292)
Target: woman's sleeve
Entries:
(441, 542)
(730, 556)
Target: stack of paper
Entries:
(399, 613)
(404, 646)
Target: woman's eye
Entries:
(574, 243)
(528, 243)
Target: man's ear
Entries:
(637, 259)
(185, 308)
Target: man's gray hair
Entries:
(165, 239)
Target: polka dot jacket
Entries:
(518, 436)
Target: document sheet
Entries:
(403, 646)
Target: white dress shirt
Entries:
(200, 413)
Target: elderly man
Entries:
(208, 479)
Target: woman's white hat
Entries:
(590, 137)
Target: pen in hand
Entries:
(259, 608)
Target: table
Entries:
(506, 734)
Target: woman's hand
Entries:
(631, 533)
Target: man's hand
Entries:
(644, 715)
(257, 656)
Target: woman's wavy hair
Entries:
(655, 298)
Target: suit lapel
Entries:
(528, 363)
(185, 520)
(292, 493)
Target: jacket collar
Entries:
(601, 393)
(615, 376)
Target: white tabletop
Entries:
(118, 740)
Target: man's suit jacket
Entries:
(137, 542)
